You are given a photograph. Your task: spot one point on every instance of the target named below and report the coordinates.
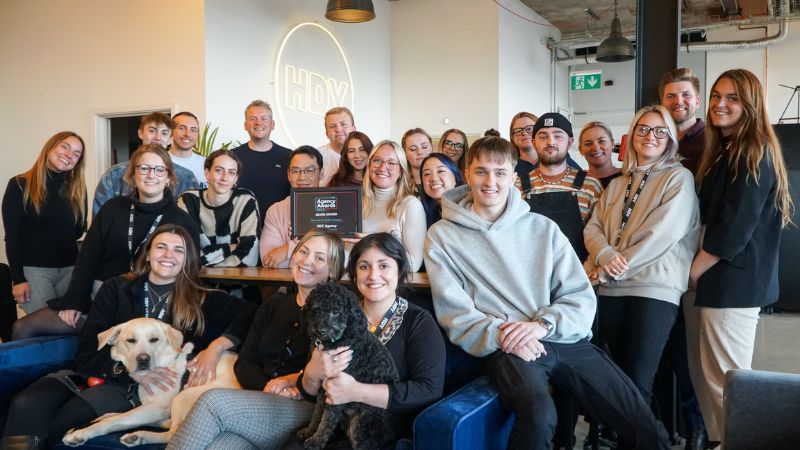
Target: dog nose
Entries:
(143, 360)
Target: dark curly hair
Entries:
(389, 246)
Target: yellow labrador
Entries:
(141, 345)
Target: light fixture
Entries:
(350, 11)
(615, 48)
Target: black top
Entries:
(264, 173)
(743, 228)
(104, 252)
(605, 181)
(120, 300)
(276, 345)
(419, 354)
(47, 239)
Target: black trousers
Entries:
(47, 408)
(585, 372)
(635, 331)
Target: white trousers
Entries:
(718, 340)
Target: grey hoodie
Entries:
(518, 268)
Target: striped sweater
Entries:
(588, 194)
(234, 222)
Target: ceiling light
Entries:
(615, 48)
(350, 11)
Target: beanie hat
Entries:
(553, 120)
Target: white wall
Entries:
(63, 60)
(444, 65)
(524, 65)
(241, 45)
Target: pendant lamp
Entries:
(615, 48)
(350, 11)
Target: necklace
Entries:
(563, 177)
(160, 301)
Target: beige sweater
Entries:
(660, 238)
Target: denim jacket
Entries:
(111, 184)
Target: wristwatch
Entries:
(546, 325)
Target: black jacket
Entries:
(104, 252)
(743, 228)
(120, 300)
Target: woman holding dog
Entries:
(270, 361)
(164, 285)
(113, 241)
(224, 419)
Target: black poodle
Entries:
(335, 320)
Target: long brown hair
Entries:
(188, 294)
(753, 140)
(346, 170)
(35, 191)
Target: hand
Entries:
(280, 385)
(21, 292)
(203, 367)
(530, 352)
(616, 267)
(515, 335)
(232, 246)
(326, 364)
(340, 389)
(70, 316)
(274, 257)
(594, 277)
(702, 262)
(163, 378)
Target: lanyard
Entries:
(153, 227)
(147, 303)
(626, 213)
(377, 331)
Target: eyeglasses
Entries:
(308, 171)
(390, 163)
(453, 145)
(144, 169)
(519, 131)
(644, 130)
(218, 171)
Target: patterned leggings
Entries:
(228, 419)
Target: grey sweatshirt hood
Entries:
(457, 206)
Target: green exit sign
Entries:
(581, 81)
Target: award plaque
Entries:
(335, 209)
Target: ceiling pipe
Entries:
(783, 31)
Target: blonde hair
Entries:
(35, 191)
(669, 156)
(595, 124)
(753, 140)
(404, 187)
(335, 251)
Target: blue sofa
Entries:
(469, 418)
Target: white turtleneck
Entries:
(408, 224)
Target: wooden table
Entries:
(262, 275)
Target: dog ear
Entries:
(174, 338)
(109, 337)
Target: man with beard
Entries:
(521, 137)
(556, 190)
(184, 137)
(679, 91)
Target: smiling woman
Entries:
(41, 241)
(164, 285)
(113, 242)
(641, 239)
(227, 216)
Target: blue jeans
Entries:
(586, 373)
